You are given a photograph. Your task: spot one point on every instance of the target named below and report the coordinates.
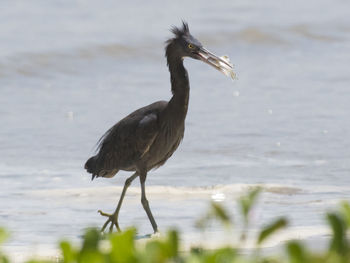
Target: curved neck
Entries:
(180, 84)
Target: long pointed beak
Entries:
(220, 63)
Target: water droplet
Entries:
(236, 93)
(278, 144)
(70, 115)
(269, 111)
(325, 131)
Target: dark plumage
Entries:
(147, 137)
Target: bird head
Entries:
(186, 45)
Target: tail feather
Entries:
(90, 166)
(93, 166)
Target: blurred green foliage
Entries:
(122, 247)
(271, 229)
(247, 202)
(3, 237)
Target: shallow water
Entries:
(70, 69)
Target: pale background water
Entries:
(70, 69)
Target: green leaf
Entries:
(162, 250)
(247, 202)
(271, 229)
(345, 209)
(91, 239)
(34, 261)
(89, 252)
(3, 259)
(91, 256)
(154, 252)
(172, 244)
(68, 253)
(220, 213)
(123, 246)
(339, 242)
(296, 252)
(3, 235)
(222, 255)
(216, 211)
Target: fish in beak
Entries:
(222, 63)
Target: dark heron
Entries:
(146, 138)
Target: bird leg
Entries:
(144, 202)
(113, 218)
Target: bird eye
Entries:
(190, 46)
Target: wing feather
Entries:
(131, 138)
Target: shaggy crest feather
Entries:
(179, 32)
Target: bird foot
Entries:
(112, 219)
